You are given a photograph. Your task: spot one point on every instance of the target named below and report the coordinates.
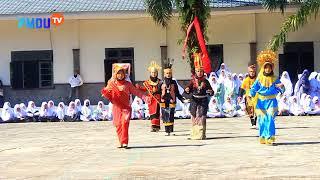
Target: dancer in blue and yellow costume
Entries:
(266, 86)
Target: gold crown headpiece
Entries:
(197, 60)
(153, 66)
(267, 56)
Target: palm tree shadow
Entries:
(167, 146)
(295, 143)
(230, 137)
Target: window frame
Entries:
(39, 57)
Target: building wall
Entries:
(96, 35)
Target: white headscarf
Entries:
(78, 105)
(44, 109)
(286, 81)
(102, 108)
(7, 112)
(295, 107)
(222, 76)
(18, 112)
(86, 111)
(214, 85)
(224, 67)
(308, 105)
(284, 104)
(51, 109)
(71, 111)
(242, 76)
(213, 105)
(229, 83)
(32, 107)
(61, 110)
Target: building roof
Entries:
(13, 7)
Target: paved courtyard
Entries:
(87, 150)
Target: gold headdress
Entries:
(197, 61)
(121, 66)
(153, 67)
(267, 56)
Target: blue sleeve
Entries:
(280, 90)
(254, 89)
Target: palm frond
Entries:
(294, 22)
(160, 10)
(272, 5)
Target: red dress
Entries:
(118, 93)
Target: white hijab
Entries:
(18, 112)
(222, 76)
(61, 110)
(78, 105)
(229, 82)
(71, 111)
(86, 110)
(286, 81)
(224, 67)
(214, 85)
(137, 103)
(283, 104)
(7, 112)
(308, 104)
(213, 105)
(44, 110)
(30, 108)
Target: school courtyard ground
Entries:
(87, 150)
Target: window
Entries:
(118, 55)
(216, 56)
(31, 69)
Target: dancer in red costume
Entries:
(118, 92)
(152, 87)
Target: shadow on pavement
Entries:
(166, 146)
(295, 143)
(230, 137)
(303, 127)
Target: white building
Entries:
(95, 35)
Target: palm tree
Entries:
(306, 9)
(162, 11)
